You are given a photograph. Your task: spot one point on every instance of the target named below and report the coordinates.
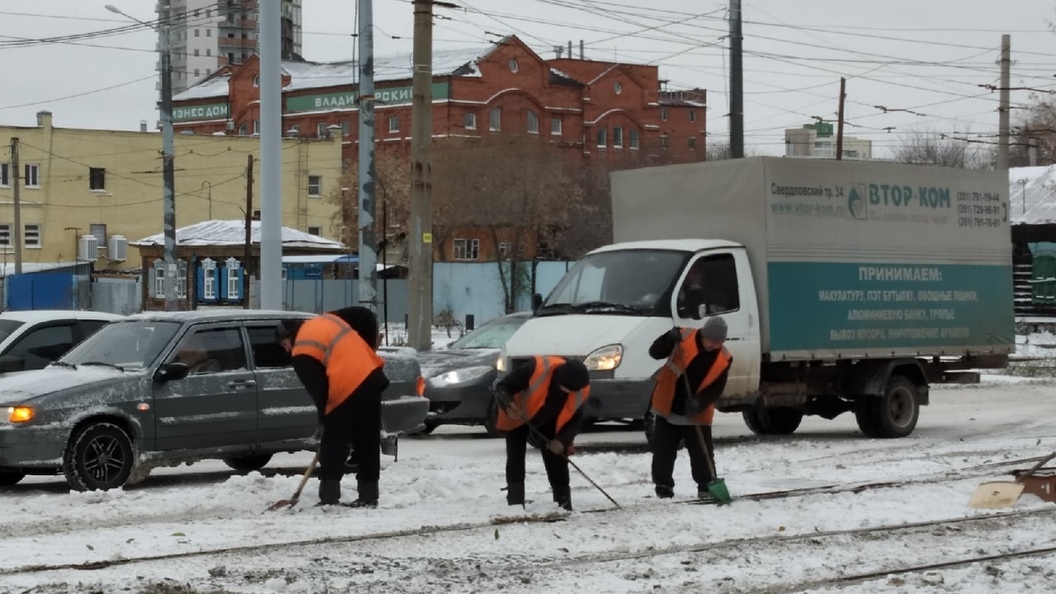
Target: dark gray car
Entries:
(160, 389)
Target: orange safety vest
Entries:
(675, 367)
(347, 358)
(530, 401)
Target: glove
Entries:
(318, 433)
(694, 406)
(555, 447)
(537, 441)
(571, 449)
(503, 398)
(673, 335)
(514, 413)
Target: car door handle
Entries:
(239, 384)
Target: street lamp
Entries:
(168, 176)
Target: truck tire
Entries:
(773, 421)
(895, 413)
(863, 413)
(752, 421)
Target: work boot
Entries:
(705, 496)
(515, 494)
(368, 495)
(563, 498)
(329, 492)
(664, 492)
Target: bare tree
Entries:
(932, 148)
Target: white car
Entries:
(34, 339)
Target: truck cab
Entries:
(610, 307)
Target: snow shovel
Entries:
(1003, 494)
(717, 486)
(292, 501)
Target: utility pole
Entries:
(248, 257)
(1002, 117)
(270, 156)
(368, 257)
(168, 166)
(736, 83)
(420, 240)
(15, 175)
(839, 120)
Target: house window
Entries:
(31, 236)
(533, 122)
(208, 51)
(159, 280)
(209, 286)
(5, 174)
(470, 120)
(603, 140)
(181, 279)
(555, 126)
(256, 126)
(467, 249)
(5, 235)
(504, 250)
(208, 33)
(345, 126)
(32, 177)
(197, 73)
(495, 119)
(617, 137)
(196, 53)
(315, 231)
(320, 130)
(394, 124)
(663, 114)
(197, 32)
(242, 129)
(663, 141)
(315, 186)
(231, 272)
(692, 143)
(634, 140)
(692, 115)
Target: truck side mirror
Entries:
(700, 312)
(537, 302)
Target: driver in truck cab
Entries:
(687, 387)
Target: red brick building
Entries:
(608, 114)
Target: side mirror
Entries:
(700, 312)
(11, 363)
(171, 372)
(537, 302)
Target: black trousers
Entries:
(666, 438)
(356, 423)
(556, 467)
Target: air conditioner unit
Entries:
(118, 248)
(88, 248)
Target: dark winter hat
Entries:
(363, 321)
(714, 329)
(572, 375)
(287, 329)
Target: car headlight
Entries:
(20, 414)
(459, 376)
(606, 358)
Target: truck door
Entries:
(721, 280)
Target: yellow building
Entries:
(108, 184)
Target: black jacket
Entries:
(695, 372)
(312, 373)
(545, 421)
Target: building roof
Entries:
(216, 86)
(227, 233)
(1032, 195)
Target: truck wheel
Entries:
(10, 477)
(98, 457)
(248, 463)
(863, 413)
(751, 419)
(895, 413)
(773, 421)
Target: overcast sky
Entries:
(926, 56)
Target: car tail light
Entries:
(420, 387)
(20, 414)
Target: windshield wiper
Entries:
(608, 305)
(557, 309)
(64, 364)
(104, 364)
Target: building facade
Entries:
(599, 114)
(205, 35)
(108, 185)
(818, 141)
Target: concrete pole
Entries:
(270, 156)
(420, 238)
(168, 165)
(736, 83)
(368, 257)
(839, 120)
(1002, 117)
(17, 235)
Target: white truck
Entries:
(846, 286)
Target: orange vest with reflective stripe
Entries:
(675, 367)
(347, 358)
(530, 401)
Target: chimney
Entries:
(142, 125)
(581, 49)
(570, 55)
(559, 50)
(44, 119)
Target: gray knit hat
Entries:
(714, 329)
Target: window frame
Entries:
(93, 172)
(318, 186)
(38, 233)
(495, 119)
(35, 168)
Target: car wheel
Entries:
(248, 463)
(98, 457)
(491, 421)
(10, 477)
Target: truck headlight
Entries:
(459, 376)
(606, 358)
(500, 365)
(20, 414)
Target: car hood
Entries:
(435, 363)
(19, 387)
(575, 335)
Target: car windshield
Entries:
(129, 345)
(628, 282)
(7, 328)
(492, 335)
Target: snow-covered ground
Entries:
(443, 524)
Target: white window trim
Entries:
(209, 283)
(617, 139)
(5, 180)
(159, 282)
(6, 229)
(394, 124)
(36, 167)
(469, 120)
(560, 127)
(318, 187)
(495, 124)
(25, 236)
(533, 118)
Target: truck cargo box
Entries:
(850, 259)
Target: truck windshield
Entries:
(628, 282)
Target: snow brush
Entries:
(717, 486)
(292, 501)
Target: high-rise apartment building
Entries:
(818, 141)
(207, 34)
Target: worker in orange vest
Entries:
(541, 402)
(334, 357)
(687, 388)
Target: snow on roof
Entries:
(313, 75)
(8, 268)
(219, 233)
(213, 87)
(1032, 195)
